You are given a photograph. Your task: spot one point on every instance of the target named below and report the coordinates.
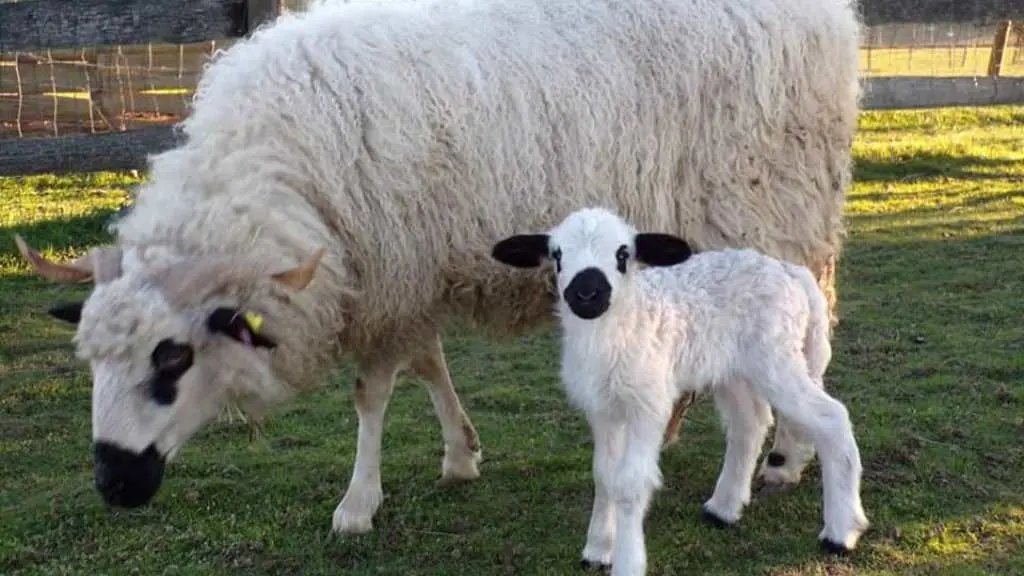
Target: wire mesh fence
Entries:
(112, 87)
(98, 89)
(940, 49)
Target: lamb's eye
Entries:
(556, 255)
(621, 257)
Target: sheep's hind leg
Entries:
(461, 444)
(792, 450)
(675, 422)
(799, 398)
(746, 417)
(374, 385)
(607, 437)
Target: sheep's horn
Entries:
(78, 271)
(299, 277)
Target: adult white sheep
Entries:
(750, 329)
(405, 138)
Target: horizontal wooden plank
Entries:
(41, 24)
(876, 12)
(109, 104)
(905, 92)
(84, 153)
(40, 107)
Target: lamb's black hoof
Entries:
(713, 519)
(595, 566)
(834, 547)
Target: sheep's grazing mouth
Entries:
(127, 479)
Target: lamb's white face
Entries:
(594, 252)
(166, 348)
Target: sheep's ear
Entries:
(522, 250)
(656, 249)
(70, 312)
(299, 277)
(244, 328)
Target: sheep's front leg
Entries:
(636, 478)
(608, 436)
(746, 417)
(373, 392)
(461, 444)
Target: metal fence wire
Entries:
(913, 53)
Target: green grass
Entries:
(929, 358)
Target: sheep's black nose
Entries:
(124, 478)
(589, 294)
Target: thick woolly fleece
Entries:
(408, 136)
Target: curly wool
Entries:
(407, 136)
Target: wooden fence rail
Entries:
(118, 66)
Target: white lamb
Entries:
(750, 329)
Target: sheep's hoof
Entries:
(714, 519)
(834, 547)
(595, 566)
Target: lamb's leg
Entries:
(804, 402)
(746, 417)
(373, 392)
(461, 444)
(792, 450)
(636, 478)
(608, 437)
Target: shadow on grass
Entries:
(59, 234)
(922, 165)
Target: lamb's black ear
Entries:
(522, 250)
(656, 249)
(70, 312)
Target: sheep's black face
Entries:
(588, 294)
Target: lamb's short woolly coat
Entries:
(750, 329)
(718, 317)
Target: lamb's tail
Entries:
(817, 347)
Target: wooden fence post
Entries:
(995, 60)
(260, 12)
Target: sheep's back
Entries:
(414, 135)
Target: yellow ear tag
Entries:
(255, 321)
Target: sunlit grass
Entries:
(929, 359)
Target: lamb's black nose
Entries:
(124, 478)
(588, 294)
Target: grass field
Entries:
(929, 358)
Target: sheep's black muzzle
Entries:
(127, 479)
(588, 294)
